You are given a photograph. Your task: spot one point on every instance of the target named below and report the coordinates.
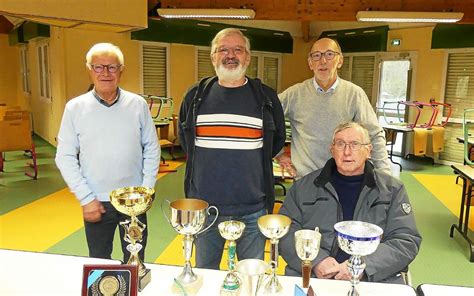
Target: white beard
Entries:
(230, 74)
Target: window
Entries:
(155, 69)
(44, 72)
(459, 92)
(263, 65)
(25, 69)
(360, 70)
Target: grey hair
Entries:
(226, 32)
(107, 49)
(361, 128)
(333, 40)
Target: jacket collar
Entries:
(325, 176)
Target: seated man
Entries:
(349, 188)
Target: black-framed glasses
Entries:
(99, 68)
(354, 145)
(238, 50)
(328, 55)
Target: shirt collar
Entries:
(320, 90)
(104, 102)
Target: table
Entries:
(443, 290)
(467, 173)
(38, 274)
(396, 129)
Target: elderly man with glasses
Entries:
(107, 140)
(230, 127)
(348, 187)
(317, 105)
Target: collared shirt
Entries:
(104, 102)
(320, 90)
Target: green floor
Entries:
(441, 259)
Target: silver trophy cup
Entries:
(357, 239)
(188, 217)
(307, 248)
(231, 231)
(274, 227)
(252, 272)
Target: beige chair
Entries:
(16, 136)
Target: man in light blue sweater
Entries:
(317, 105)
(107, 140)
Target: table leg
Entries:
(391, 156)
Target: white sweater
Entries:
(103, 148)
(314, 117)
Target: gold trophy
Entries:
(188, 217)
(134, 201)
(307, 248)
(274, 227)
(231, 231)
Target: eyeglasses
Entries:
(99, 68)
(328, 55)
(354, 145)
(226, 50)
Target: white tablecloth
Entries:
(27, 273)
(442, 290)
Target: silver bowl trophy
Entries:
(188, 217)
(231, 230)
(134, 201)
(252, 272)
(357, 239)
(307, 248)
(274, 227)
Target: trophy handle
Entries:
(215, 218)
(163, 211)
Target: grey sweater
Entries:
(314, 116)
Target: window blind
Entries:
(154, 70)
(205, 67)
(270, 72)
(363, 73)
(252, 69)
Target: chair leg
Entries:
(33, 165)
(171, 153)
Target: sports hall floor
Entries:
(43, 216)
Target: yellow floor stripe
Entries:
(446, 190)
(173, 255)
(41, 224)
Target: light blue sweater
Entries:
(103, 148)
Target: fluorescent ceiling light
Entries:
(409, 16)
(206, 13)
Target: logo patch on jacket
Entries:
(406, 207)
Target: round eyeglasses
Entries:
(328, 55)
(235, 50)
(99, 68)
(354, 145)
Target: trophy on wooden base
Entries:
(134, 201)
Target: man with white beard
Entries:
(230, 127)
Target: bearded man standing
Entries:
(230, 127)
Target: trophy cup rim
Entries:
(222, 226)
(376, 231)
(189, 204)
(117, 195)
(263, 220)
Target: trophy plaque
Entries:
(188, 217)
(134, 201)
(307, 248)
(357, 239)
(105, 280)
(274, 227)
(231, 231)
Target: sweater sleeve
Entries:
(151, 150)
(366, 115)
(68, 162)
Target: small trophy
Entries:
(188, 217)
(231, 231)
(357, 239)
(307, 248)
(252, 272)
(274, 227)
(134, 201)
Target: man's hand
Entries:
(326, 269)
(93, 211)
(342, 271)
(285, 164)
